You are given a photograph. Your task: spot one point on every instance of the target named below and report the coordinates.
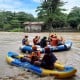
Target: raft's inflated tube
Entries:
(67, 45)
(59, 70)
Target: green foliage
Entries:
(15, 23)
(22, 16)
(1, 25)
(51, 13)
(6, 27)
(11, 20)
(74, 17)
(16, 30)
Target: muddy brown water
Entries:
(11, 41)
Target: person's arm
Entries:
(27, 56)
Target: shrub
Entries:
(16, 30)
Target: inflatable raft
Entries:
(60, 71)
(66, 46)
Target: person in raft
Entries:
(36, 40)
(25, 40)
(34, 56)
(43, 42)
(53, 40)
(60, 41)
(48, 60)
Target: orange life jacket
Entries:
(35, 56)
(54, 42)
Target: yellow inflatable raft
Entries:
(60, 71)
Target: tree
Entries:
(15, 24)
(7, 27)
(22, 16)
(50, 12)
(74, 17)
(12, 20)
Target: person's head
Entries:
(47, 50)
(52, 35)
(44, 37)
(26, 36)
(34, 48)
(36, 36)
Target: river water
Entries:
(11, 41)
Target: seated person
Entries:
(48, 60)
(54, 41)
(36, 40)
(34, 56)
(25, 40)
(43, 42)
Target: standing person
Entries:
(36, 40)
(43, 42)
(25, 40)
